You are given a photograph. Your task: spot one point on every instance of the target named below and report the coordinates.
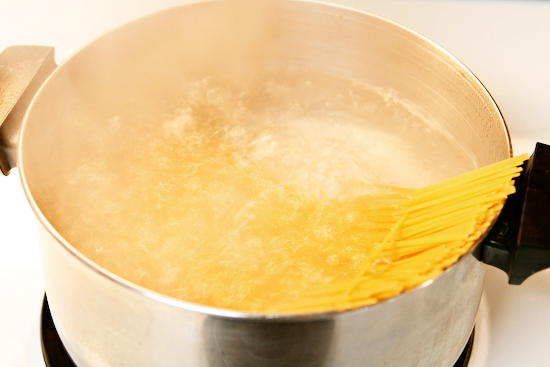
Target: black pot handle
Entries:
(519, 241)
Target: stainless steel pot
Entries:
(106, 321)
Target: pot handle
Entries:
(23, 69)
(519, 241)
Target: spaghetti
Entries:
(436, 225)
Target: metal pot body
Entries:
(105, 321)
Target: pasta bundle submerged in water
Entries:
(436, 225)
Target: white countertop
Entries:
(505, 43)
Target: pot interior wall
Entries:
(138, 69)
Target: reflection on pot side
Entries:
(233, 343)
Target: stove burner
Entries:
(464, 358)
(55, 354)
(53, 350)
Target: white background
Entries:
(505, 43)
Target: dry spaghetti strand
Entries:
(435, 225)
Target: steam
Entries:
(234, 39)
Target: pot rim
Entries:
(229, 313)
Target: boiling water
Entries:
(244, 197)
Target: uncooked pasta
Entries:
(435, 226)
